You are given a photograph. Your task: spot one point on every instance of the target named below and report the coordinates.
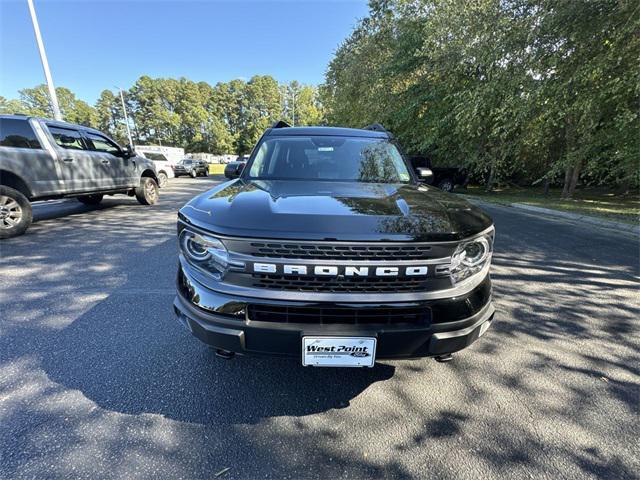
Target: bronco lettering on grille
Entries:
(339, 270)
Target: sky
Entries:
(94, 45)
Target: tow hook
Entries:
(226, 354)
(444, 358)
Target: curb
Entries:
(626, 227)
(582, 218)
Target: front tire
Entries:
(163, 179)
(15, 213)
(147, 191)
(205, 173)
(91, 199)
(193, 174)
(446, 185)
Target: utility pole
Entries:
(45, 63)
(126, 118)
(293, 114)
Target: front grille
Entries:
(339, 284)
(340, 252)
(339, 315)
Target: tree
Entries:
(516, 90)
(11, 106)
(36, 102)
(110, 117)
(153, 103)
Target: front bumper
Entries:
(220, 320)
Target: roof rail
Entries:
(376, 127)
(280, 124)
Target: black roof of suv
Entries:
(329, 131)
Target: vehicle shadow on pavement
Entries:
(65, 208)
(139, 360)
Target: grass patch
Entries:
(216, 169)
(594, 202)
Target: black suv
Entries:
(329, 249)
(193, 168)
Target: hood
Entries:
(320, 210)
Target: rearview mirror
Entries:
(424, 174)
(233, 170)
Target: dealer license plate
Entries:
(338, 351)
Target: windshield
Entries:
(155, 156)
(351, 159)
(185, 162)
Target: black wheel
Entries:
(94, 199)
(147, 192)
(446, 185)
(163, 179)
(205, 173)
(15, 213)
(193, 173)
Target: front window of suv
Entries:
(333, 158)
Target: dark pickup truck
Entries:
(328, 248)
(193, 168)
(445, 178)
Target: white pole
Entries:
(126, 118)
(45, 64)
(293, 116)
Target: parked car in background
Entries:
(233, 169)
(445, 178)
(172, 154)
(193, 168)
(164, 167)
(44, 159)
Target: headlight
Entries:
(471, 257)
(205, 252)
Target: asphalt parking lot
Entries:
(97, 379)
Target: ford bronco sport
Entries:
(329, 249)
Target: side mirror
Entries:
(126, 152)
(233, 170)
(424, 174)
(129, 152)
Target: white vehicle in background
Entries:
(165, 159)
(163, 166)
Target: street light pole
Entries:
(293, 115)
(45, 63)
(126, 118)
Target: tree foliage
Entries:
(516, 90)
(228, 117)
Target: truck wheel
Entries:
(446, 185)
(147, 191)
(205, 173)
(91, 199)
(193, 173)
(15, 213)
(163, 179)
